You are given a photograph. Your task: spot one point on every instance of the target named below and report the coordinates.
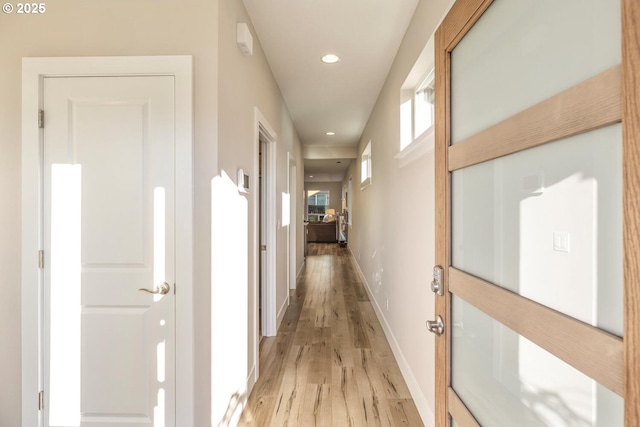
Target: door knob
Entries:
(436, 326)
(162, 289)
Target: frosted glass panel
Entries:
(546, 223)
(522, 52)
(506, 380)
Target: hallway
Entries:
(330, 364)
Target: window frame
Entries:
(365, 166)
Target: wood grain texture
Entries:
(594, 352)
(442, 99)
(330, 364)
(461, 415)
(631, 200)
(589, 105)
(461, 17)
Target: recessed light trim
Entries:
(330, 58)
(331, 133)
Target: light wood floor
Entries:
(330, 364)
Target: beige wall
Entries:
(246, 82)
(204, 29)
(117, 27)
(392, 235)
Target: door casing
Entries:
(291, 247)
(269, 313)
(33, 72)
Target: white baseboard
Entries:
(251, 380)
(283, 309)
(425, 411)
(301, 268)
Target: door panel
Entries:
(546, 213)
(529, 228)
(497, 373)
(521, 53)
(109, 230)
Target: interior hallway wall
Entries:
(392, 238)
(113, 28)
(246, 82)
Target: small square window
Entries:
(424, 108)
(365, 166)
(417, 110)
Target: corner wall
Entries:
(392, 238)
(245, 83)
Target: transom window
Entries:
(365, 166)
(417, 112)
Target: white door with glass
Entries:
(109, 267)
(530, 201)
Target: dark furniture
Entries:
(322, 232)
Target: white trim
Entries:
(366, 155)
(283, 309)
(419, 147)
(33, 71)
(425, 411)
(304, 261)
(269, 324)
(293, 223)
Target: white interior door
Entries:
(108, 188)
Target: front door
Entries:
(530, 194)
(109, 267)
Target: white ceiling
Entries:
(327, 170)
(339, 97)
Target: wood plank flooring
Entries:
(330, 364)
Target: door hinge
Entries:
(40, 259)
(41, 401)
(41, 119)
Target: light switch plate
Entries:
(561, 241)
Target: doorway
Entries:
(290, 200)
(262, 232)
(265, 235)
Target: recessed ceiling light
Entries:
(338, 161)
(330, 58)
(331, 133)
(310, 176)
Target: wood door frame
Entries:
(626, 108)
(33, 72)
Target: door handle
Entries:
(436, 326)
(162, 289)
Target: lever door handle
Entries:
(162, 289)
(436, 326)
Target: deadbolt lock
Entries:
(437, 287)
